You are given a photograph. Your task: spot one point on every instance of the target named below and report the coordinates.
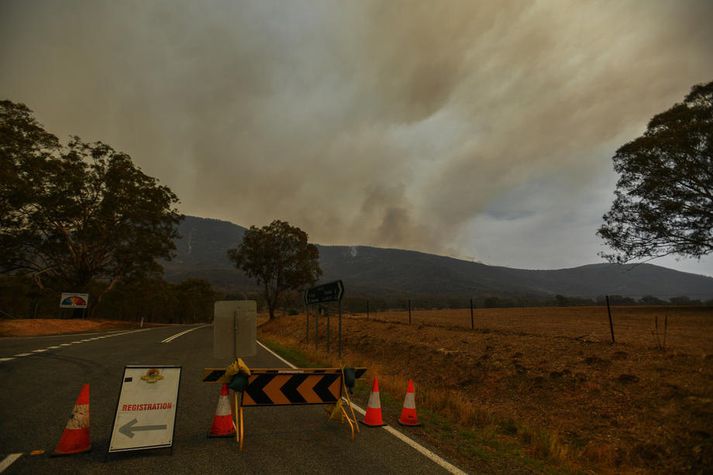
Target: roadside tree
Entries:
(279, 257)
(77, 214)
(664, 197)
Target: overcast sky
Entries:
(479, 129)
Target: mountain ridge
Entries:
(383, 272)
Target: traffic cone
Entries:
(372, 418)
(223, 420)
(75, 438)
(408, 413)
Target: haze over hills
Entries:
(384, 273)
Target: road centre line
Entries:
(178, 335)
(399, 435)
(9, 460)
(42, 350)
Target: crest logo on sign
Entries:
(152, 375)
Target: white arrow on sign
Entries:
(130, 427)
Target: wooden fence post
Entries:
(611, 322)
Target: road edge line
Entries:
(276, 355)
(437, 459)
(9, 460)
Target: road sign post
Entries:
(146, 410)
(340, 328)
(329, 292)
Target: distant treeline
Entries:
(156, 300)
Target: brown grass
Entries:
(549, 378)
(632, 324)
(51, 326)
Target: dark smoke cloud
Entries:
(401, 124)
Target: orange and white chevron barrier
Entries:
(75, 438)
(408, 413)
(223, 420)
(372, 418)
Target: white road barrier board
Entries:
(146, 412)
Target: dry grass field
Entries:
(632, 325)
(547, 379)
(53, 326)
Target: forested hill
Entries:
(201, 252)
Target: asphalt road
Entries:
(39, 390)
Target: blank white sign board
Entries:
(234, 328)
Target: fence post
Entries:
(340, 329)
(611, 322)
(472, 322)
(328, 331)
(409, 312)
(306, 324)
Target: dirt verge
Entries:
(50, 326)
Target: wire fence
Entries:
(654, 325)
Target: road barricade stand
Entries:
(287, 386)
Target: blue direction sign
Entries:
(329, 292)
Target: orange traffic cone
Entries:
(75, 438)
(223, 420)
(372, 418)
(408, 413)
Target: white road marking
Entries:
(177, 335)
(440, 461)
(403, 438)
(42, 350)
(277, 356)
(9, 460)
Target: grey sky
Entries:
(481, 130)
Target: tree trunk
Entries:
(268, 301)
(94, 303)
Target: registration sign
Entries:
(146, 413)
